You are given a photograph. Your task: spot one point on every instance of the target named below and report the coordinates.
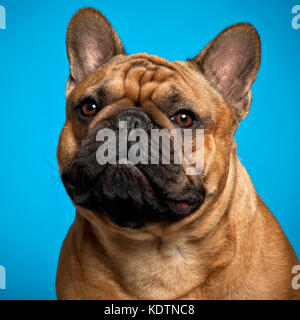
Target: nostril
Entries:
(136, 123)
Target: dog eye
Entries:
(89, 109)
(183, 119)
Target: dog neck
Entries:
(172, 261)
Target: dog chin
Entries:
(126, 195)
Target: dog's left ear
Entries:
(230, 63)
(91, 41)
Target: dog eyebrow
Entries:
(102, 94)
(173, 102)
(98, 95)
(174, 97)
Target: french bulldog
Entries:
(152, 231)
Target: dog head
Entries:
(110, 90)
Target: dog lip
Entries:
(186, 203)
(138, 176)
(182, 207)
(150, 196)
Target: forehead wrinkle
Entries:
(153, 60)
(132, 84)
(177, 68)
(149, 88)
(123, 63)
(141, 77)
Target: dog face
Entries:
(107, 88)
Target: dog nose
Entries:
(135, 118)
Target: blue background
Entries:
(35, 212)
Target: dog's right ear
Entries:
(230, 63)
(91, 41)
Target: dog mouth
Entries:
(128, 196)
(183, 207)
(178, 206)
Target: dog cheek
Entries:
(67, 147)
